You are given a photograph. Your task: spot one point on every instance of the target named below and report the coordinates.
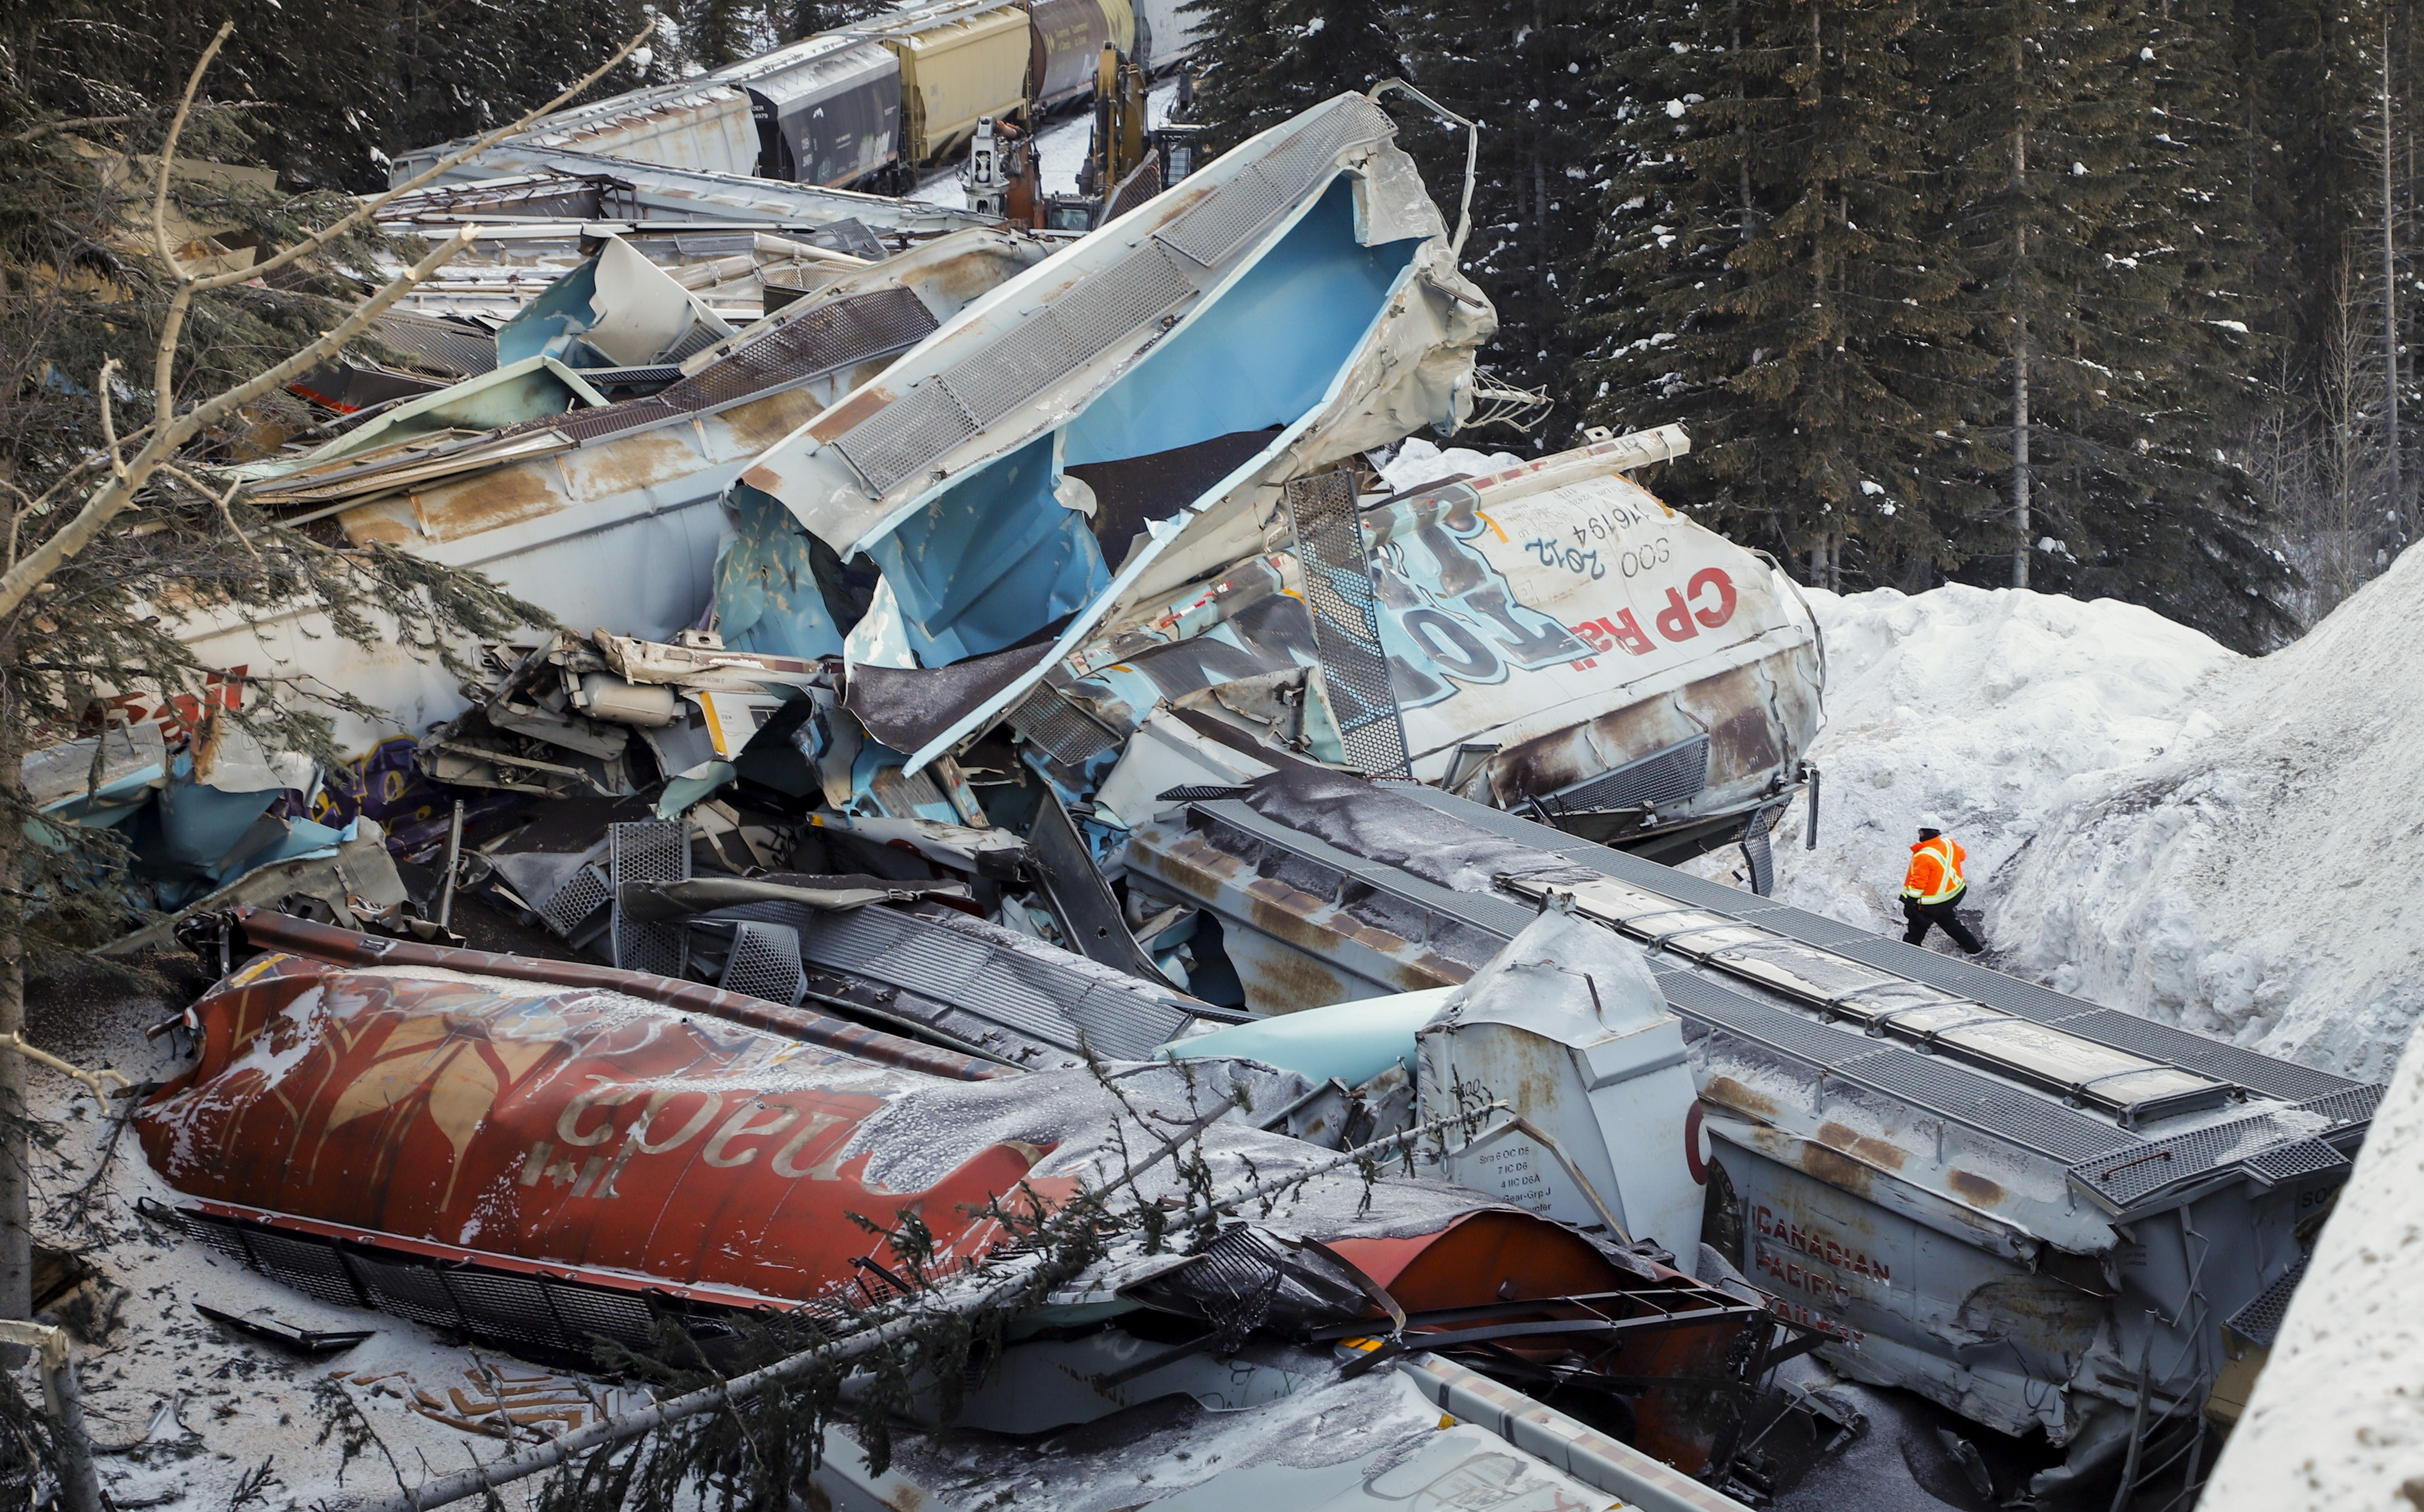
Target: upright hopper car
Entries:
(866, 105)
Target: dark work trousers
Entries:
(1942, 915)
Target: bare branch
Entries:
(98, 1081)
(72, 123)
(370, 207)
(225, 502)
(108, 420)
(113, 497)
(169, 159)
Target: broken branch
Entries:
(168, 160)
(96, 1081)
(114, 496)
(370, 207)
(573, 1445)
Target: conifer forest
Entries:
(2106, 298)
(2101, 299)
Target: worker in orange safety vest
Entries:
(1934, 887)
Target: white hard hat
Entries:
(1931, 822)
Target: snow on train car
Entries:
(823, 111)
(1067, 40)
(828, 109)
(1165, 34)
(697, 123)
(961, 61)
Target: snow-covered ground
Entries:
(185, 1411)
(1061, 145)
(2153, 822)
(2337, 1423)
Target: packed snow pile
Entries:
(2256, 884)
(2153, 822)
(2336, 1417)
(1992, 710)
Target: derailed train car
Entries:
(1068, 37)
(1165, 33)
(544, 1153)
(823, 111)
(1556, 640)
(861, 106)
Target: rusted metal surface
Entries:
(1545, 627)
(2010, 1225)
(623, 531)
(554, 1123)
(1298, 938)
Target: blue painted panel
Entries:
(766, 593)
(550, 325)
(1264, 355)
(995, 558)
(990, 562)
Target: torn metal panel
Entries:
(1557, 641)
(616, 523)
(1311, 241)
(527, 388)
(663, 191)
(1950, 1213)
(1037, 994)
(1089, 916)
(905, 708)
(616, 310)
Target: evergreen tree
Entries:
(1764, 276)
(802, 18)
(2086, 151)
(717, 32)
(1264, 60)
(1525, 74)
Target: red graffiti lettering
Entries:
(1713, 578)
(1675, 620)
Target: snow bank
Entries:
(1996, 709)
(2337, 1416)
(2258, 883)
(2153, 822)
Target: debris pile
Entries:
(1038, 766)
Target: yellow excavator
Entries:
(1127, 163)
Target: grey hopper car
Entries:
(831, 117)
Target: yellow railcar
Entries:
(961, 61)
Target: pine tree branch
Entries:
(114, 496)
(567, 1447)
(369, 208)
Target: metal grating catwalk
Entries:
(1729, 981)
(2250, 1069)
(1335, 562)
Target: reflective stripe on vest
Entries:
(1949, 880)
